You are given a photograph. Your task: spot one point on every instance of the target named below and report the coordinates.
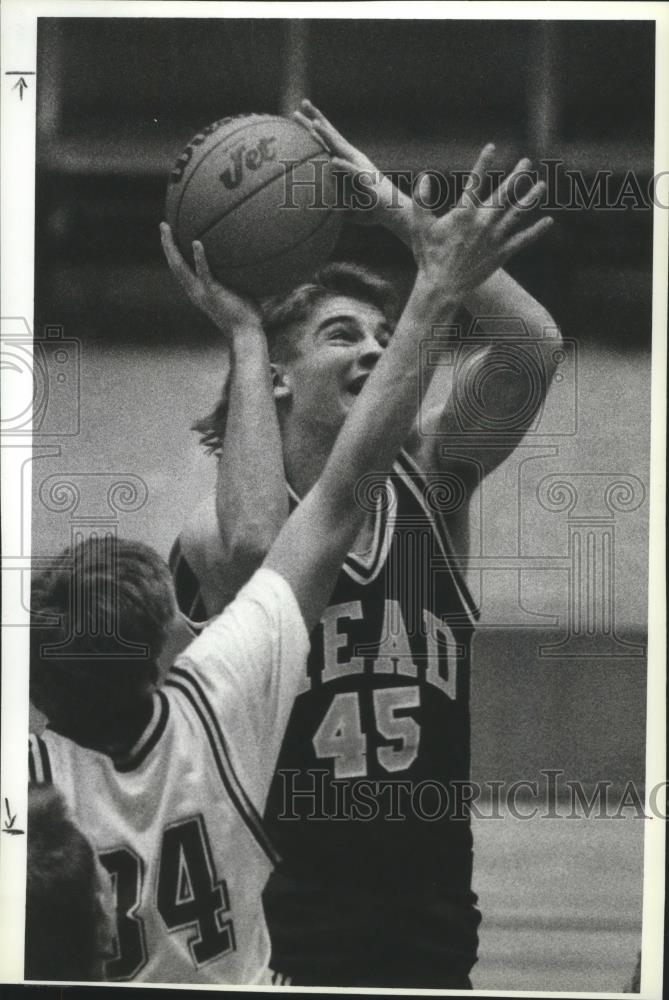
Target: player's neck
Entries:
(305, 452)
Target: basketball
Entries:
(258, 192)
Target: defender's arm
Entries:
(454, 254)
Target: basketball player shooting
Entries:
(360, 900)
(168, 783)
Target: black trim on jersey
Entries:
(408, 466)
(150, 737)
(361, 570)
(193, 627)
(364, 570)
(39, 770)
(219, 748)
(187, 588)
(32, 773)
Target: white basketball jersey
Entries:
(177, 822)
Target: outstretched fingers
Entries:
(201, 266)
(302, 119)
(193, 282)
(340, 164)
(422, 189)
(320, 132)
(313, 119)
(423, 220)
(311, 112)
(474, 182)
(527, 236)
(507, 188)
(514, 212)
(177, 264)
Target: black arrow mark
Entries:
(22, 85)
(9, 822)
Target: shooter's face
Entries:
(339, 345)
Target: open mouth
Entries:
(355, 387)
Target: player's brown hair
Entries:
(64, 915)
(100, 617)
(282, 313)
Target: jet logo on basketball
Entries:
(242, 158)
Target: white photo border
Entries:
(19, 52)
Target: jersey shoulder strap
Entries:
(39, 765)
(419, 485)
(187, 588)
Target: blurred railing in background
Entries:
(118, 98)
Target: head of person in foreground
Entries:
(101, 615)
(68, 896)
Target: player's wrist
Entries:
(248, 349)
(389, 207)
(394, 212)
(237, 326)
(431, 298)
(248, 329)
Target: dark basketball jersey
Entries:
(365, 809)
(187, 589)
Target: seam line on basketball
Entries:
(283, 250)
(253, 193)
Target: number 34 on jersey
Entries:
(188, 896)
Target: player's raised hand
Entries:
(316, 122)
(466, 246)
(229, 311)
(378, 189)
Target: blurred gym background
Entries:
(117, 100)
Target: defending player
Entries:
(169, 782)
(69, 926)
(360, 898)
